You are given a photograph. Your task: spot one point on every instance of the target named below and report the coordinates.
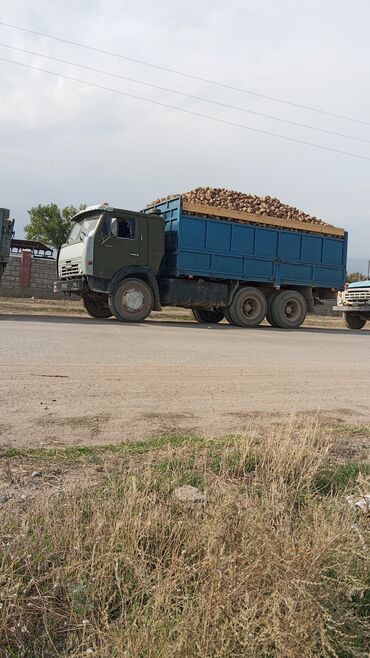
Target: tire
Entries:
(210, 316)
(269, 317)
(132, 300)
(97, 306)
(228, 317)
(248, 307)
(288, 309)
(353, 321)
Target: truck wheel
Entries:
(288, 309)
(353, 321)
(132, 300)
(248, 307)
(228, 316)
(210, 316)
(269, 317)
(97, 306)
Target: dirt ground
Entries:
(67, 307)
(67, 379)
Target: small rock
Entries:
(4, 499)
(36, 474)
(189, 494)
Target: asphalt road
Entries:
(79, 380)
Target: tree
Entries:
(356, 276)
(50, 224)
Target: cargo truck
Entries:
(6, 234)
(235, 265)
(354, 303)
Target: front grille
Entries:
(69, 269)
(358, 295)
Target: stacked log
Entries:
(220, 197)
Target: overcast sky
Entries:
(64, 142)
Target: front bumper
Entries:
(69, 285)
(362, 308)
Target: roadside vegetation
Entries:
(356, 276)
(273, 563)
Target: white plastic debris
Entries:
(363, 502)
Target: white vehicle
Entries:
(354, 303)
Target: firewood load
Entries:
(219, 197)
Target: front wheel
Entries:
(210, 316)
(132, 300)
(97, 306)
(288, 309)
(248, 307)
(353, 321)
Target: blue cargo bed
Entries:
(220, 249)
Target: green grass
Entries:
(335, 478)
(74, 454)
(353, 430)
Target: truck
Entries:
(219, 263)
(354, 303)
(6, 234)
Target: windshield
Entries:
(82, 227)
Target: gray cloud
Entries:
(65, 142)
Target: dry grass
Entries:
(274, 564)
(32, 306)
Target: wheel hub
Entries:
(133, 299)
(250, 307)
(291, 310)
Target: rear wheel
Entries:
(97, 306)
(132, 300)
(269, 317)
(210, 316)
(288, 309)
(248, 307)
(353, 321)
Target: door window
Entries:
(126, 228)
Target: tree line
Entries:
(51, 224)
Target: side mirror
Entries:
(114, 226)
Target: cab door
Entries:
(128, 247)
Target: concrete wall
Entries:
(28, 276)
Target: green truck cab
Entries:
(111, 258)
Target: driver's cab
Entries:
(104, 239)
